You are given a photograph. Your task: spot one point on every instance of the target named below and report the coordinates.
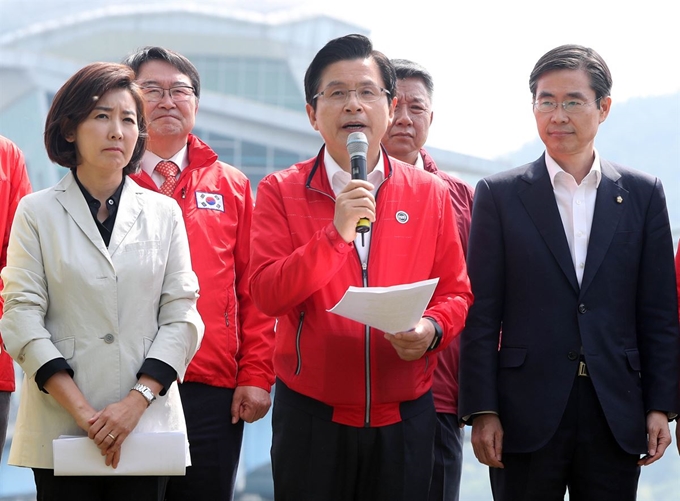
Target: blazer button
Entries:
(572, 355)
(108, 339)
(582, 308)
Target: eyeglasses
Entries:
(573, 106)
(340, 95)
(178, 93)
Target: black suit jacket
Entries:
(624, 314)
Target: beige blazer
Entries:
(104, 310)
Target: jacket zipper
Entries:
(367, 350)
(367, 329)
(297, 344)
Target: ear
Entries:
(311, 114)
(392, 106)
(431, 117)
(70, 137)
(605, 107)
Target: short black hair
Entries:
(347, 48)
(409, 69)
(74, 102)
(154, 53)
(574, 57)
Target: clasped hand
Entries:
(109, 427)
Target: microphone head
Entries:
(357, 144)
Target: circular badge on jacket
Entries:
(402, 217)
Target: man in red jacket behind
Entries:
(229, 380)
(353, 418)
(14, 184)
(404, 140)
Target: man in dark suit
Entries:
(569, 356)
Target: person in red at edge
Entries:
(14, 184)
(353, 417)
(229, 380)
(404, 140)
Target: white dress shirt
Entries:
(339, 178)
(576, 203)
(150, 160)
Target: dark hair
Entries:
(347, 48)
(74, 102)
(409, 69)
(574, 57)
(151, 53)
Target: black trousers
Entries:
(315, 459)
(110, 488)
(214, 443)
(583, 457)
(448, 459)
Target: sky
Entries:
(481, 53)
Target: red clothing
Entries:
(301, 267)
(14, 184)
(216, 201)
(445, 383)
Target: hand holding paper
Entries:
(412, 344)
(161, 453)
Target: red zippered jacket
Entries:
(445, 382)
(302, 267)
(14, 184)
(216, 201)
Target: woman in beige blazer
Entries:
(100, 298)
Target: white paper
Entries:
(159, 453)
(390, 309)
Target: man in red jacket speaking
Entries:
(354, 417)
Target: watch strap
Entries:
(145, 391)
(438, 334)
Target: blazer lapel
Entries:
(609, 205)
(73, 201)
(131, 204)
(539, 201)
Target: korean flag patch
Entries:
(211, 201)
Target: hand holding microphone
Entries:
(355, 205)
(357, 147)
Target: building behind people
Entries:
(229, 380)
(405, 140)
(13, 187)
(572, 256)
(353, 415)
(100, 299)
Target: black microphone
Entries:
(357, 147)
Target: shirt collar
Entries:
(338, 178)
(150, 160)
(112, 202)
(554, 170)
(420, 162)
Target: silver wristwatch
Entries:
(146, 392)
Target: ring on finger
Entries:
(113, 439)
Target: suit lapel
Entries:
(73, 201)
(608, 211)
(539, 201)
(131, 204)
